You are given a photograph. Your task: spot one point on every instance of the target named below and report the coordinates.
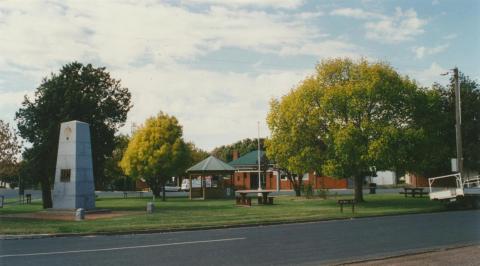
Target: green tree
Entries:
(296, 143)
(77, 92)
(368, 107)
(157, 152)
(225, 152)
(196, 154)
(470, 97)
(112, 171)
(347, 118)
(431, 156)
(445, 123)
(9, 152)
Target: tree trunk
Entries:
(46, 193)
(296, 185)
(358, 184)
(156, 191)
(163, 192)
(298, 193)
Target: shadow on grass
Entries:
(171, 204)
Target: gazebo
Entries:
(209, 166)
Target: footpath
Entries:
(469, 255)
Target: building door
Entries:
(253, 180)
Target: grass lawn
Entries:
(181, 213)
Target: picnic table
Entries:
(244, 200)
(413, 191)
(346, 202)
(139, 193)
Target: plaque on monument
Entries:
(74, 187)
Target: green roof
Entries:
(212, 165)
(250, 158)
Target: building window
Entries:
(65, 175)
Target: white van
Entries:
(196, 183)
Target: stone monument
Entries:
(74, 187)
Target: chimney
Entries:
(235, 155)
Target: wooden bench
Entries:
(413, 192)
(270, 200)
(243, 202)
(346, 202)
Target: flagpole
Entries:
(258, 159)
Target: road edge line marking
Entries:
(120, 248)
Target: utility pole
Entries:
(258, 155)
(458, 121)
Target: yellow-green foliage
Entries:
(156, 151)
(349, 116)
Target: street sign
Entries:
(454, 165)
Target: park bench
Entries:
(346, 202)
(269, 200)
(29, 198)
(247, 201)
(413, 192)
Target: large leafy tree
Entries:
(157, 152)
(444, 124)
(9, 152)
(351, 115)
(77, 92)
(225, 152)
(368, 108)
(296, 143)
(470, 95)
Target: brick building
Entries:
(246, 175)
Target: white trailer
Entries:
(466, 189)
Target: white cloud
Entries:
(328, 48)
(426, 77)
(421, 51)
(144, 44)
(357, 13)
(122, 33)
(214, 108)
(251, 3)
(11, 100)
(403, 26)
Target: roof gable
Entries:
(211, 164)
(250, 158)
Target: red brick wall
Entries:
(271, 181)
(242, 181)
(319, 182)
(140, 185)
(418, 181)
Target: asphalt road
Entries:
(292, 244)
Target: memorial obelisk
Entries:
(74, 187)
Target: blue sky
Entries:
(216, 64)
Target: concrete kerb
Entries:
(157, 231)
